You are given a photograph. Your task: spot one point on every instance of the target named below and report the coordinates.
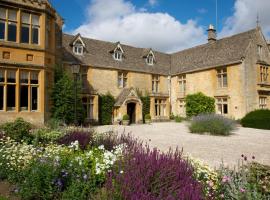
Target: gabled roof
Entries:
(225, 51)
(98, 55)
(126, 94)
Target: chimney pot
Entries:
(212, 37)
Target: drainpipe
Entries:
(169, 89)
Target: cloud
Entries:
(245, 17)
(120, 20)
(152, 2)
(202, 10)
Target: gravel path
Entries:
(210, 149)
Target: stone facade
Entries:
(233, 70)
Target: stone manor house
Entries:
(234, 70)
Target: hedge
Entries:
(199, 104)
(106, 104)
(146, 106)
(257, 119)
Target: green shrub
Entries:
(125, 117)
(46, 135)
(146, 105)
(3, 198)
(257, 119)
(18, 130)
(199, 104)
(171, 116)
(213, 124)
(147, 117)
(54, 123)
(178, 119)
(106, 105)
(260, 175)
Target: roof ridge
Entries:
(109, 42)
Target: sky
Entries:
(163, 25)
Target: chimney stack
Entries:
(212, 36)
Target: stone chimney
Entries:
(212, 36)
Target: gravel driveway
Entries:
(210, 149)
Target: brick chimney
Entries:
(212, 36)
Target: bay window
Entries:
(8, 24)
(30, 28)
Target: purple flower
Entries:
(242, 190)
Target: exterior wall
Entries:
(207, 83)
(43, 59)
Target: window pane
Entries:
(24, 98)
(24, 77)
(35, 20)
(12, 15)
(35, 35)
(225, 81)
(12, 32)
(1, 97)
(2, 76)
(11, 76)
(34, 77)
(25, 34)
(34, 98)
(11, 95)
(225, 109)
(2, 30)
(25, 18)
(2, 13)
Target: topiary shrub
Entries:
(178, 119)
(212, 124)
(257, 119)
(18, 130)
(106, 104)
(125, 117)
(198, 104)
(147, 117)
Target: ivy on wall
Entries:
(198, 104)
(106, 104)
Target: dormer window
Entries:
(118, 54)
(150, 58)
(78, 45)
(78, 48)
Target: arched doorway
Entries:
(131, 111)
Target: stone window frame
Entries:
(222, 77)
(182, 106)
(8, 21)
(31, 25)
(259, 50)
(5, 84)
(262, 102)
(150, 58)
(264, 74)
(155, 83)
(222, 104)
(122, 78)
(89, 104)
(160, 107)
(182, 81)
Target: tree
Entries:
(198, 104)
(106, 104)
(63, 97)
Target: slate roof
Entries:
(122, 97)
(225, 51)
(98, 54)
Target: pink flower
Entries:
(211, 184)
(222, 196)
(242, 190)
(225, 179)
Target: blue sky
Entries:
(165, 25)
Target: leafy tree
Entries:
(63, 97)
(199, 103)
(106, 104)
(146, 103)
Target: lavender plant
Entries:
(213, 124)
(151, 175)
